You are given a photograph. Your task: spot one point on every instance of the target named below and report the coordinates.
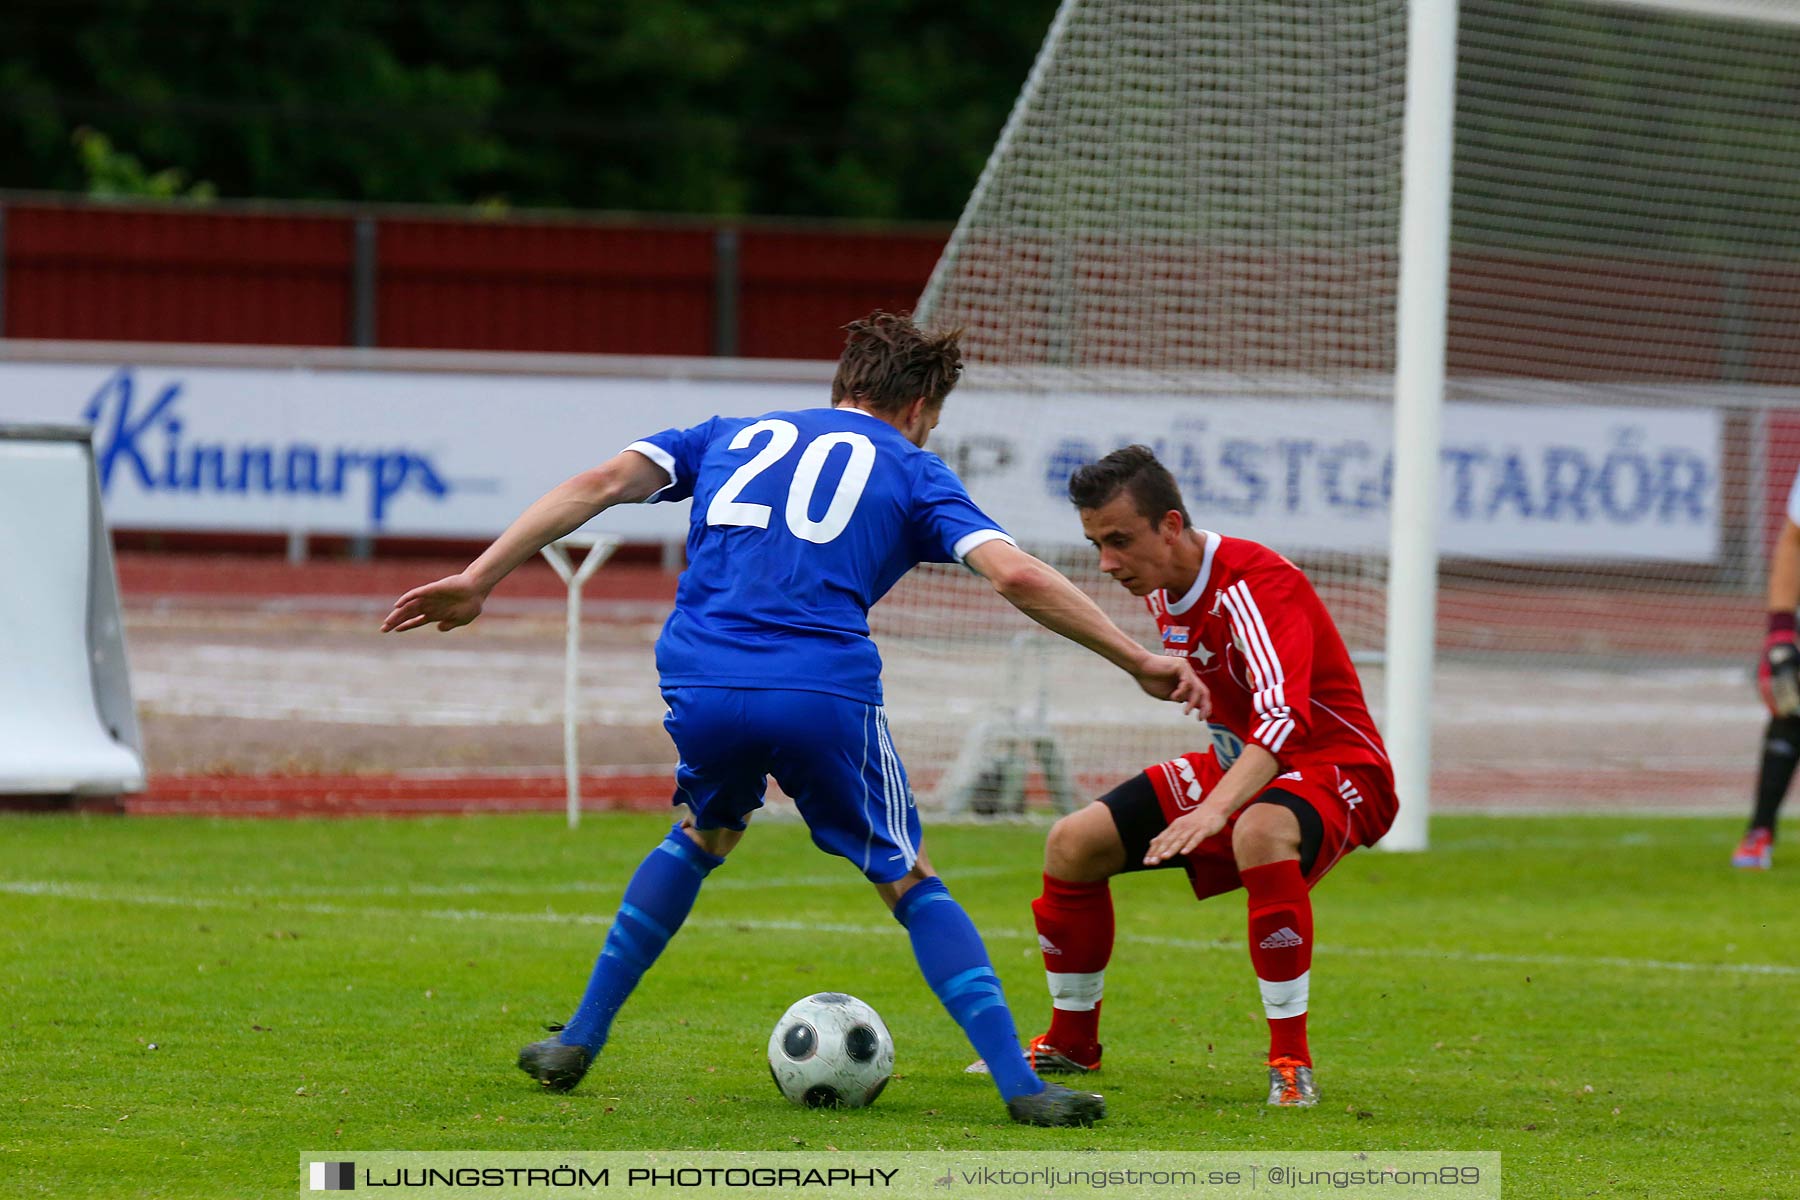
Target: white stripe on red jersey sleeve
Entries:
(1280, 662)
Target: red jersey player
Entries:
(1311, 783)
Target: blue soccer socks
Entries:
(656, 902)
(948, 948)
(956, 965)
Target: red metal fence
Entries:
(127, 275)
(403, 278)
(70, 269)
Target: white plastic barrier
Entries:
(67, 726)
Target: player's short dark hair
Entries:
(888, 362)
(1132, 469)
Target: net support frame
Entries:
(600, 547)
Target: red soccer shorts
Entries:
(1355, 805)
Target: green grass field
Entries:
(189, 1003)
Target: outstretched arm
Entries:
(1040, 592)
(455, 600)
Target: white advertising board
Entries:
(1519, 482)
(436, 453)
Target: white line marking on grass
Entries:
(71, 891)
(846, 878)
(1601, 840)
(1469, 956)
(1726, 805)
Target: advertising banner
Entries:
(437, 453)
(1519, 482)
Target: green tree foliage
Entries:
(805, 107)
(111, 174)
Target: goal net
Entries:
(1187, 236)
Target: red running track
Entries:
(397, 795)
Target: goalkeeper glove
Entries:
(1778, 672)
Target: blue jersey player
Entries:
(801, 521)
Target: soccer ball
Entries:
(831, 1051)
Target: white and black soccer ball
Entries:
(831, 1051)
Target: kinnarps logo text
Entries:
(146, 439)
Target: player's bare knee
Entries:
(718, 842)
(891, 892)
(1084, 847)
(1265, 833)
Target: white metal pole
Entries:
(571, 706)
(599, 550)
(1775, 12)
(1423, 303)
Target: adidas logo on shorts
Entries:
(1282, 939)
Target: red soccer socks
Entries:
(1075, 932)
(1281, 936)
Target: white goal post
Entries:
(1422, 302)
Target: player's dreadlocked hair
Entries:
(888, 362)
(1132, 469)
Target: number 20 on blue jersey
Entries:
(727, 509)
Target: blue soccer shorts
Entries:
(834, 756)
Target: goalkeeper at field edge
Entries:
(1778, 678)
